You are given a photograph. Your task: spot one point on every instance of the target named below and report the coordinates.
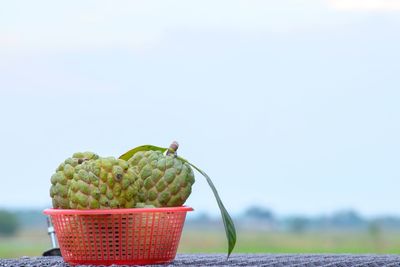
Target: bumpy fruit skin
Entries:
(102, 184)
(164, 180)
(61, 179)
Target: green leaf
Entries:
(132, 152)
(230, 230)
(226, 218)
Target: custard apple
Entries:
(61, 179)
(103, 183)
(165, 180)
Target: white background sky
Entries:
(291, 105)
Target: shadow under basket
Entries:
(119, 236)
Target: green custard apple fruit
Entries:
(165, 180)
(103, 183)
(61, 179)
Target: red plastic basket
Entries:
(118, 236)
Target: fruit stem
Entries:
(173, 148)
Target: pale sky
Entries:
(291, 105)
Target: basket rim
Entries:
(53, 211)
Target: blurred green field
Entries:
(34, 242)
(30, 242)
(286, 242)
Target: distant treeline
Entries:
(253, 218)
(12, 221)
(259, 218)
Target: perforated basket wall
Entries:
(118, 236)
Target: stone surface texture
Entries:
(309, 260)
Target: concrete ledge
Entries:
(273, 260)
